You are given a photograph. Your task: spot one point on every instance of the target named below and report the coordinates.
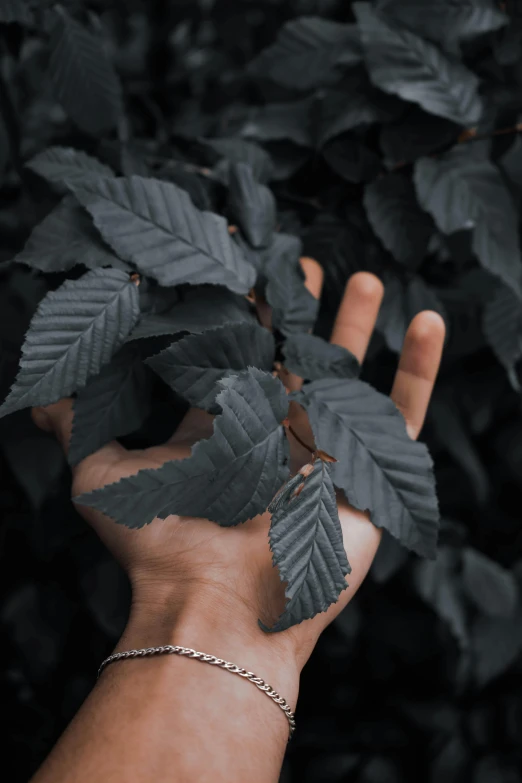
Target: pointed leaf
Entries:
(378, 466)
(64, 238)
(65, 166)
(307, 51)
(112, 404)
(353, 103)
(229, 478)
(502, 324)
(397, 219)
(236, 150)
(83, 78)
(445, 21)
(307, 546)
(312, 358)
(402, 63)
(496, 645)
(280, 121)
(155, 225)
(401, 303)
(461, 191)
(439, 585)
(193, 366)
(75, 331)
(251, 205)
(294, 309)
(492, 588)
(203, 307)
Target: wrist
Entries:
(212, 623)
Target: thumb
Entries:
(58, 419)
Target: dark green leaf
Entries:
(64, 166)
(112, 404)
(155, 225)
(402, 63)
(445, 21)
(252, 205)
(16, 11)
(237, 150)
(283, 121)
(496, 645)
(464, 192)
(294, 309)
(64, 238)
(492, 588)
(229, 478)
(75, 331)
(312, 358)
(307, 51)
(402, 302)
(439, 585)
(307, 546)
(193, 366)
(83, 78)
(202, 308)
(415, 134)
(502, 324)
(511, 162)
(354, 103)
(351, 159)
(395, 216)
(378, 466)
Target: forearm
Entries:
(171, 718)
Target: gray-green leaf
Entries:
(75, 331)
(82, 76)
(155, 225)
(397, 219)
(378, 466)
(402, 63)
(193, 366)
(492, 588)
(462, 191)
(307, 52)
(252, 205)
(64, 238)
(306, 540)
(502, 325)
(446, 21)
(112, 404)
(229, 478)
(294, 309)
(64, 166)
(312, 358)
(203, 307)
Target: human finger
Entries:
(358, 313)
(418, 367)
(58, 420)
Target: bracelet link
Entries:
(207, 658)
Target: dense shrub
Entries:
(380, 136)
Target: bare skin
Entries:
(202, 586)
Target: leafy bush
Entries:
(163, 162)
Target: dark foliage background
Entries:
(421, 677)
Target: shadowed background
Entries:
(420, 679)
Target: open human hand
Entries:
(194, 572)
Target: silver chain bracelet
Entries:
(230, 667)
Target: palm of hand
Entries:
(234, 565)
